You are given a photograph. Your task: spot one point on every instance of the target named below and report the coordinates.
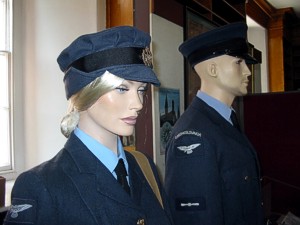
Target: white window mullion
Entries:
(6, 135)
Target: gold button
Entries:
(246, 177)
(141, 222)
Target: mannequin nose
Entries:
(246, 70)
(136, 102)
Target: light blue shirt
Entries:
(104, 154)
(219, 106)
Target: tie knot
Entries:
(120, 168)
(121, 175)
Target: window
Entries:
(6, 158)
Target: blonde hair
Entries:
(85, 98)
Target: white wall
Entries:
(257, 35)
(43, 28)
(169, 67)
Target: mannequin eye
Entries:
(143, 90)
(239, 61)
(122, 89)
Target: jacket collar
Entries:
(90, 176)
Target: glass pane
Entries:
(5, 159)
(3, 24)
(4, 84)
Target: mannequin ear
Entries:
(212, 69)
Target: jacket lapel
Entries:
(93, 180)
(226, 127)
(136, 179)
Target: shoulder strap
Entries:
(147, 171)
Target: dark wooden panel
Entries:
(171, 10)
(272, 123)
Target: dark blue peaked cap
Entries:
(123, 51)
(230, 40)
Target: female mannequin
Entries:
(106, 76)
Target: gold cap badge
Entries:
(147, 57)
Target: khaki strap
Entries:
(147, 171)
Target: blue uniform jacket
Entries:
(76, 188)
(212, 173)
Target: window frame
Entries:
(7, 52)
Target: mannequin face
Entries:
(232, 75)
(115, 112)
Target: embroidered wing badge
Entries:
(15, 209)
(188, 149)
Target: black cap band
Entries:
(113, 57)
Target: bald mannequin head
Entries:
(223, 77)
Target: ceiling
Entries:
(278, 4)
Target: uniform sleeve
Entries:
(30, 202)
(192, 180)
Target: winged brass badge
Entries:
(147, 57)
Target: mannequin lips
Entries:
(246, 82)
(131, 120)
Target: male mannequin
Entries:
(212, 171)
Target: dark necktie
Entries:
(121, 175)
(234, 120)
